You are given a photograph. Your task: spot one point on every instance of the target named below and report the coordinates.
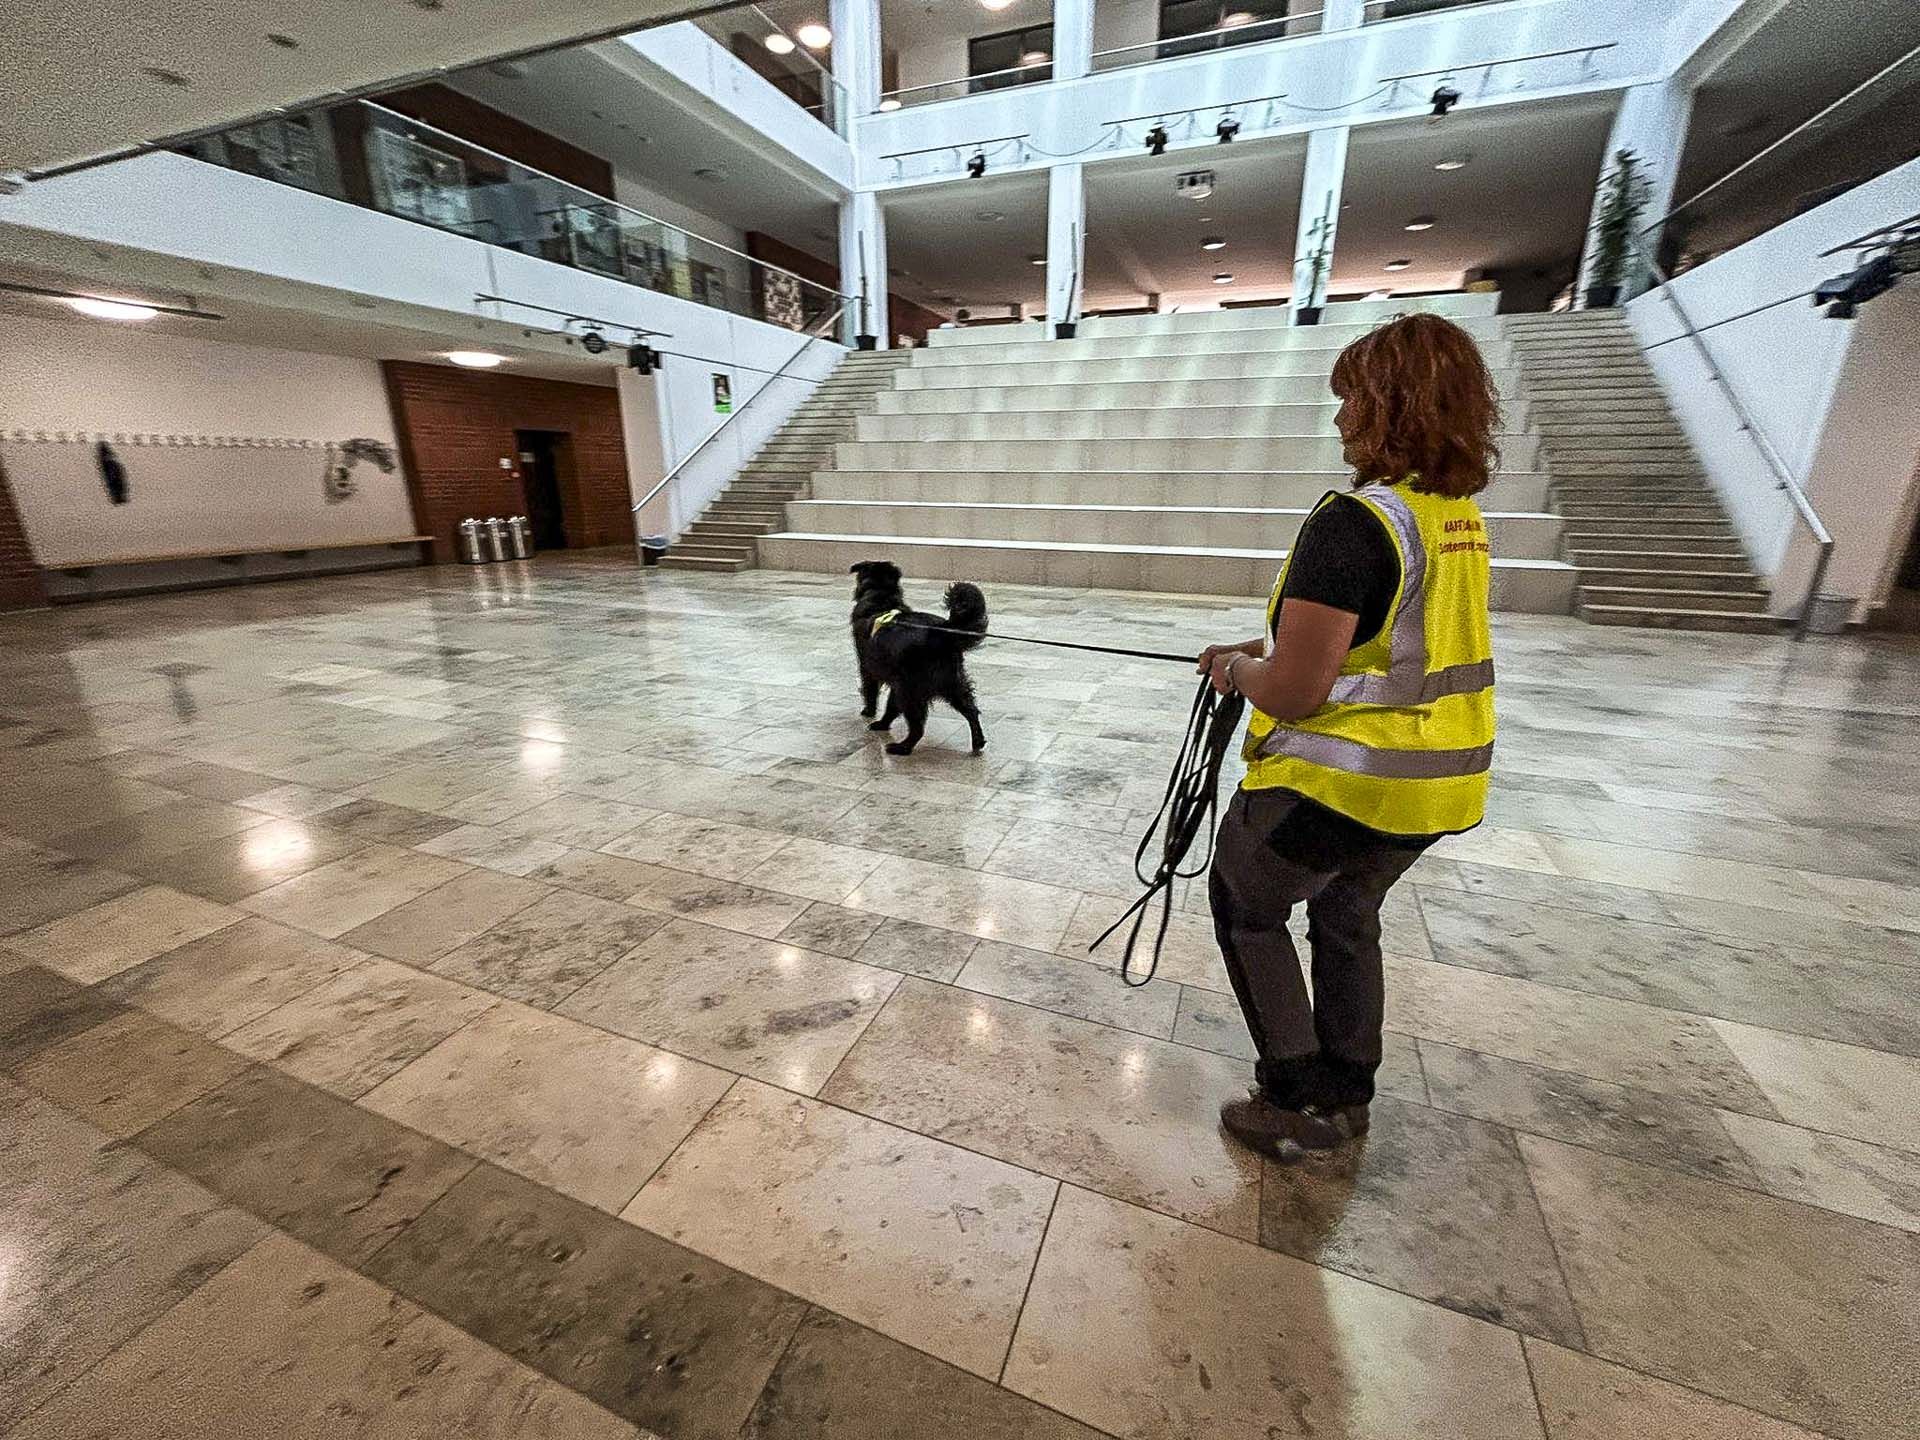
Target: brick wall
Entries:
(455, 427)
(19, 576)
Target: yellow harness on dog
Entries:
(882, 620)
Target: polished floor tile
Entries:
(1190, 954)
(756, 1007)
(581, 821)
(1109, 1337)
(815, 869)
(507, 851)
(723, 903)
(349, 892)
(994, 907)
(1582, 1398)
(1071, 987)
(234, 976)
(100, 1240)
(586, 1113)
(232, 867)
(1830, 1171)
(653, 1332)
(831, 930)
(350, 1032)
(1839, 1088)
(336, 1176)
(38, 885)
(841, 1381)
(39, 1009)
(128, 1071)
(1792, 1311)
(1431, 1204)
(93, 944)
(922, 1241)
(285, 1342)
(542, 954)
(704, 847)
(1120, 1113)
(923, 950)
(446, 917)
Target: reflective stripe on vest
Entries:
(1337, 752)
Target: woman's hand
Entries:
(1204, 665)
(1220, 671)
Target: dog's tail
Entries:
(966, 610)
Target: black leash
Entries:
(1190, 807)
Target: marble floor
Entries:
(527, 1002)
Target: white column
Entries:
(1066, 242)
(856, 52)
(1652, 123)
(1342, 15)
(1072, 38)
(863, 270)
(1320, 188)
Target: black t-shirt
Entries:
(1343, 559)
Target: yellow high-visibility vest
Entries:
(1405, 740)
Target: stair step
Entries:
(1590, 511)
(1672, 544)
(1617, 558)
(1739, 581)
(1677, 618)
(1733, 602)
(725, 564)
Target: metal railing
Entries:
(1205, 42)
(374, 157)
(795, 71)
(1783, 475)
(816, 332)
(962, 85)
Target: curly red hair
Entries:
(1419, 401)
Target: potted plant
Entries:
(1623, 197)
(1317, 264)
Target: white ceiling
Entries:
(1521, 201)
(601, 98)
(905, 24)
(76, 82)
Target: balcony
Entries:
(794, 62)
(369, 156)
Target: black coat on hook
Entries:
(112, 474)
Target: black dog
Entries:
(917, 665)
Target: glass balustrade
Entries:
(769, 49)
(364, 154)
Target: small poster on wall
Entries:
(722, 394)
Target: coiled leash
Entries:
(1190, 807)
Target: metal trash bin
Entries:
(519, 537)
(653, 549)
(472, 549)
(496, 529)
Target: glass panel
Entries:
(369, 156)
(1193, 27)
(771, 50)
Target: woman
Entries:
(1372, 729)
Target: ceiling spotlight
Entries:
(593, 342)
(1236, 20)
(780, 43)
(1036, 259)
(977, 166)
(1379, 295)
(814, 35)
(1223, 278)
(1214, 242)
(1035, 57)
(995, 5)
(165, 76)
(1456, 162)
(285, 42)
(988, 217)
(110, 309)
(1421, 222)
(891, 103)
(1398, 265)
(475, 359)
(1227, 129)
(1157, 140)
(1445, 97)
(1194, 185)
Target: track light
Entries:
(1157, 140)
(1398, 265)
(1421, 222)
(1227, 129)
(1454, 162)
(1445, 97)
(109, 309)
(1036, 259)
(977, 166)
(593, 342)
(1214, 242)
(1223, 278)
(1845, 294)
(643, 358)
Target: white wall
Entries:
(60, 377)
(1787, 363)
(1316, 73)
(160, 202)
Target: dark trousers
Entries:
(1322, 1050)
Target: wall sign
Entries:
(722, 394)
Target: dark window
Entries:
(1188, 27)
(988, 54)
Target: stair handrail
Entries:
(1784, 478)
(816, 331)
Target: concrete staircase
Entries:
(722, 538)
(1647, 536)
(1175, 453)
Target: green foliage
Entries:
(1623, 199)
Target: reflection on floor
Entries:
(537, 1007)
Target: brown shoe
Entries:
(1284, 1135)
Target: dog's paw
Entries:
(881, 725)
(980, 744)
(899, 747)
(868, 713)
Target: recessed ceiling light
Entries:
(1036, 259)
(285, 42)
(987, 217)
(814, 35)
(475, 359)
(712, 174)
(1457, 162)
(1237, 19)
(1379, 295)
(890, 103)
(1398, 265)
(779, 44)
(1223, 278)
(1214, 242)
(1421, 222)
(165, 76)
(995, 5)
(110, 309)
(1035, 57)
